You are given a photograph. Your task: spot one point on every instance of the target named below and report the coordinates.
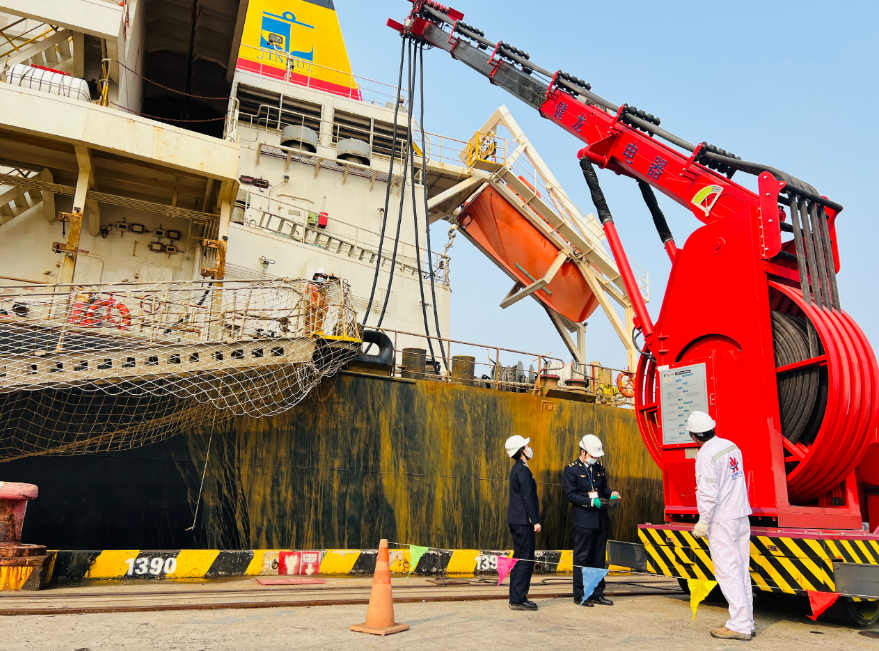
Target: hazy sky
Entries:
(789, 84)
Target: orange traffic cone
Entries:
(380, 615)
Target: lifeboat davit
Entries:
(525, 253)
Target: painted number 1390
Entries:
(154, 566)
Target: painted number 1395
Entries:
(154, 566)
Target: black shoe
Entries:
(528, 605)
(602, 601)
(586, 603)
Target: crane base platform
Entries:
(785, 561)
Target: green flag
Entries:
(415, 554)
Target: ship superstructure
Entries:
(186, 203)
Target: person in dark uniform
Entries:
(585, 484)
(523, 518)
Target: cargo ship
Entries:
(222, 322)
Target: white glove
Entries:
(700, 530)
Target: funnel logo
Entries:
(705, 198)
(280, 31)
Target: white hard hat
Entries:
(592, 445)
(699, 422)
(320, 272)
(515, 443)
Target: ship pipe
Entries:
(385, 355)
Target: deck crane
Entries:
(788, 375)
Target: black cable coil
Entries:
(802, 393)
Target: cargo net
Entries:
(113, 367)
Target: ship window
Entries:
(257, 352)
(277, 352)
(59, 368)
(299, 113)
(129, 363)
(106, 364)
(174, 359)
(348, 125)
(238, 354)
(258, 106)
(383, 137)
(80, 366)
(218, 356)
(193, 357)
(153, 361)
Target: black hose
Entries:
(597, 194)
(802, 393)
(381, 239)
(658, 218)
(415, 206)
(646, 354)
(426, 211)
(381, 317)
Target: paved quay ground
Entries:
(659, 621)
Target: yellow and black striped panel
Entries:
(189, 564)
(777, 564)
(676, 553)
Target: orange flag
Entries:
(821, 601)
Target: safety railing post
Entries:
(448, 361)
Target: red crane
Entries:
(769, 353)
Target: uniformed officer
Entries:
(585, 484)
(523, 518)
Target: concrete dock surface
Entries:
(649, 613)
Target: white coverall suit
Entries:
(722, 498)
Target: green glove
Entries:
(614, 497)
(596, 502)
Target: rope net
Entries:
(111, 367)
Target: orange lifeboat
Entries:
(525, 253)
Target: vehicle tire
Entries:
(860, 613)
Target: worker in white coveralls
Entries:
(722, 498)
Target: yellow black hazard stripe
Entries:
(188, 564)
(777, 564)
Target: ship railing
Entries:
(157, 313)
(348, 240)
(506, 369)
(16, 40)
(439, 149)
(279, 65)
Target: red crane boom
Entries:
(750, 322)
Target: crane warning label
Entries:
(683, 390)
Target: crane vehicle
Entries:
(772, 356)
